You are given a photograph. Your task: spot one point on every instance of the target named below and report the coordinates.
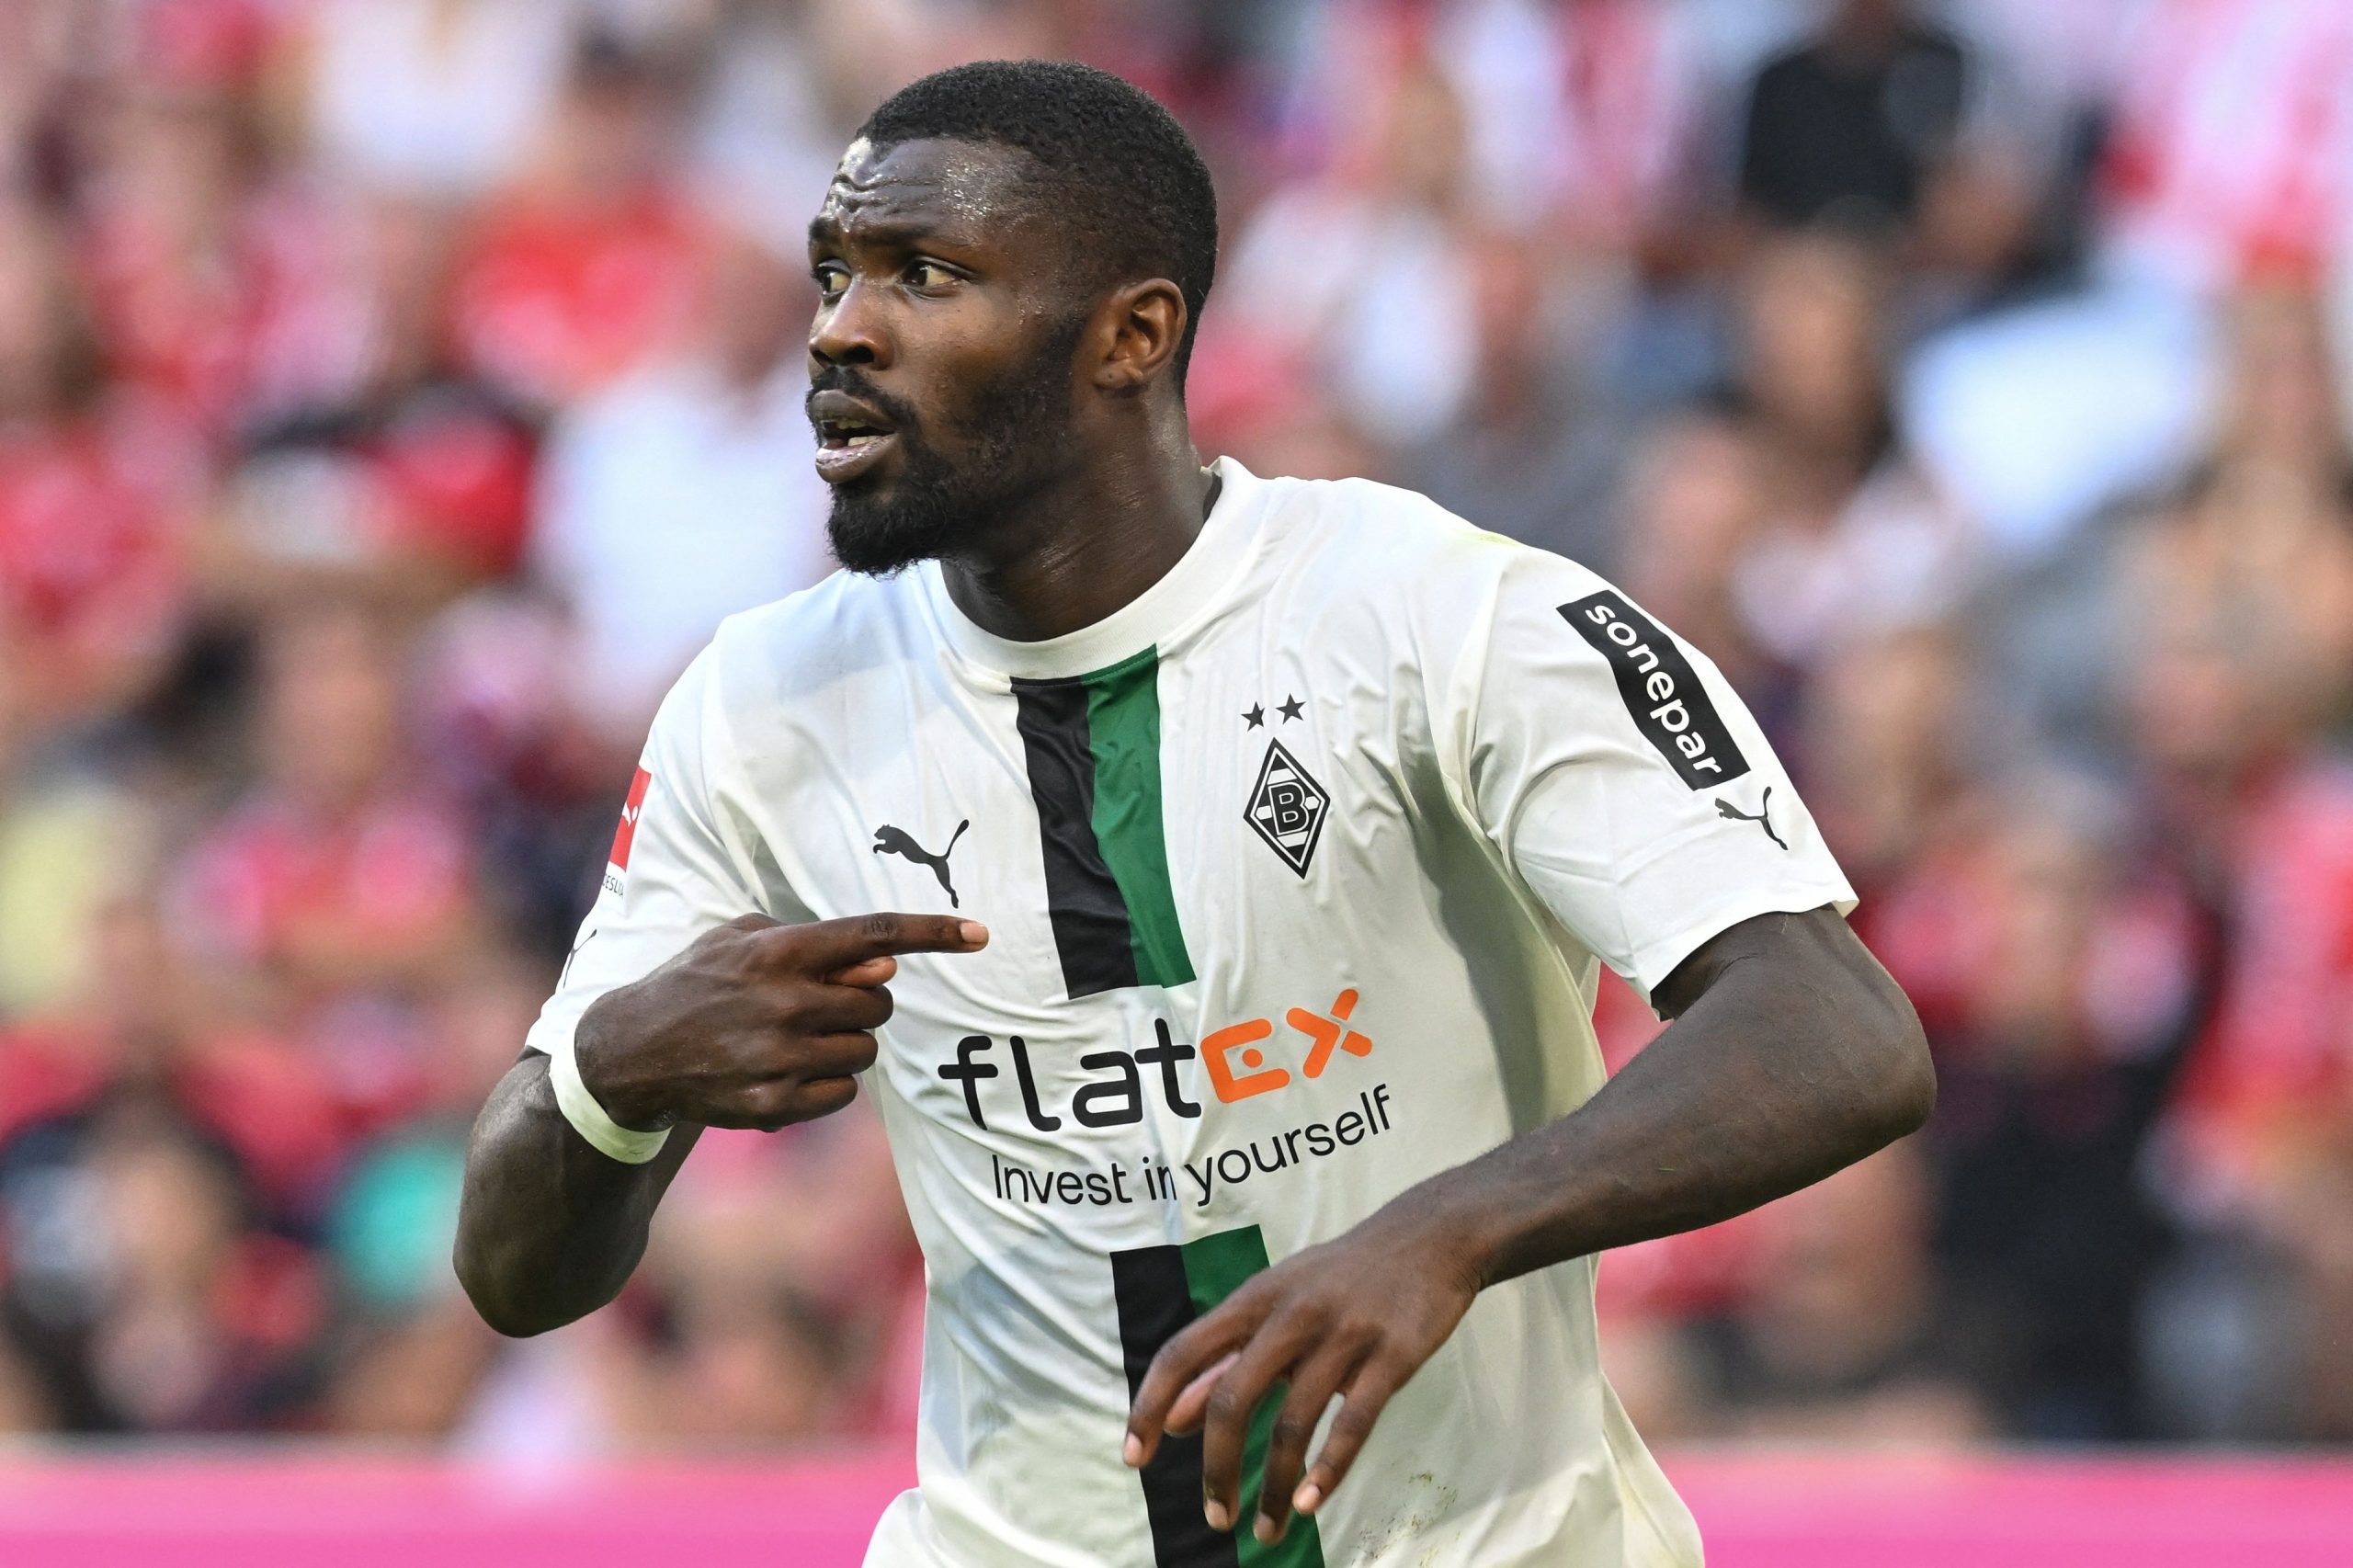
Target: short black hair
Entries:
(1121, 171)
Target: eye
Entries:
(832, 278)
(928, 275)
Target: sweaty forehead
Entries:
(949, 188)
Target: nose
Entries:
(850, 330)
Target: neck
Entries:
(1085, 548)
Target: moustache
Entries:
(846, 379)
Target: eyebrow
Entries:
(904, 232)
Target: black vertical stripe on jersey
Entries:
(1083, 899)
(1156, 1304)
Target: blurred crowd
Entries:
(394, 394)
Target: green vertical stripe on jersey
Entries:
(1092, 746)
(1215, 1266)
(1159, 1291)
(1156, 1304)
(1123, 731)
(1084, 903)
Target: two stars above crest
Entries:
(1291, 708)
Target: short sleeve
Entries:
(1622, 778)
(672, 873)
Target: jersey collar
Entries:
(1152, 619)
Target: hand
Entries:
(1355, 1316)
(756, 1024)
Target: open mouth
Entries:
(847, 435)
(851, 438)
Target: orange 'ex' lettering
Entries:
(1329, 1034)
(1231, 1087)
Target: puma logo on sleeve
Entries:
(1731, 813)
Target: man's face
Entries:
(941, 357)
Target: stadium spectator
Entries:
(196, 256)
(340, 887)
(588, 264)
(1859, 540)
(2093, 979)
(402, 477)
(411, 1358)
(1851, 126)
(1395, 355)
(95, 497)
(1534, 452)
(157, 1168)
(683, 493)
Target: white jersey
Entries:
(1298, 871)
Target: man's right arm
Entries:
(754, 1023)
(550, 1229)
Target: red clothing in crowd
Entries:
(443, 475)
(92, 561)
(455, 483)
(395, 868)
(208, 337)
(555, 302)
(2280, 1047)
(2231, 151)
(274, 886)
(265, 1100)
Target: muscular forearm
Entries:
(1794, 1054)
(752, 1024)
(550, 1229)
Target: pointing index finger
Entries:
(831, 945)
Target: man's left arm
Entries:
(1792, 1053)
(1628, 790)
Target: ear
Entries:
(1140, 326)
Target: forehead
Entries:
(937, 187)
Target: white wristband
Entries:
(605, 1135)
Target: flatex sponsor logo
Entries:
(1236, 1058)
(1662, 691)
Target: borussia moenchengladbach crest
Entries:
(1288, 808)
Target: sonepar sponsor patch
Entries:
(1662, 691)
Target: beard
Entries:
(1014, 427)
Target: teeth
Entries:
(851, 438)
